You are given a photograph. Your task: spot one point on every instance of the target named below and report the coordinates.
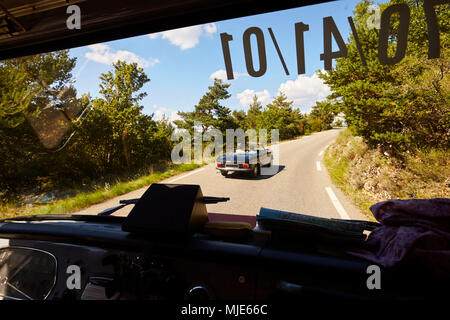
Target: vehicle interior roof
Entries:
(37, 26)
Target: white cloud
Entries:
(305, 91)
(169, 114)
(104, 54)
(246, 97)
(210, 28)
(222, 75)
(185, 38)
(154, 35)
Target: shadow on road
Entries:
(247, 176)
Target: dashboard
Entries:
(88, 260)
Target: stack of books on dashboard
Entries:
(294, 225)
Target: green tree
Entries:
(209, 110)
(239, 118)
(339, 123)
(321, 116)
(253, 113)
(35, 91)
(395, 106)
(117, 135)
(280, 115)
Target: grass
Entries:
(368, 176)
(338, 170)
(85, 199)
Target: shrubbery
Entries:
(399, 107)
(113, 136)
(370, 175)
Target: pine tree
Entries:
(209, 110)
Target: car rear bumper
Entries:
(250, 168)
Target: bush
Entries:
(372, 175)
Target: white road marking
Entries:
(339, 208)
(318, 166)
(186, 175)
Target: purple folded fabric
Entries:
(416, 230)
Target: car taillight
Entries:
(219, 164)
(245, 165)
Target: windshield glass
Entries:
(241, 148)
(339, 105)
(26, 274)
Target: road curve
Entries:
(301, 185)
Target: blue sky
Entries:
(181, 63)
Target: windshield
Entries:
(241, 148)
(248, 147)
(341, 105)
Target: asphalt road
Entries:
(300, 185)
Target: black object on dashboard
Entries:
(212, 200)
(123, 203)
(110, 211)
(169, 211)
(204, 200)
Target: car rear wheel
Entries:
(224, 173)
(255, 171)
